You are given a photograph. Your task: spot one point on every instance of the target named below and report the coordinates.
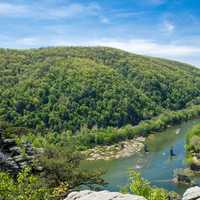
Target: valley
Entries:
(91, 112)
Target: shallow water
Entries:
(156, 166)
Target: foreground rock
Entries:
(192, 194)
(102, 195)
(116, 151)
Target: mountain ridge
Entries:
(69, 87)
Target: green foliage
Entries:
(90, 96)
(193, 143)
(142, 187)
(62, 167)
(25, 187)
(61, 172)
(88, 138)
(58, 89)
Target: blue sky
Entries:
(163, 28)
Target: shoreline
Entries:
(120, 150)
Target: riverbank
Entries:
(193, 148)
(122, 149)
(91, 138)
(87, 138)
(155, 166)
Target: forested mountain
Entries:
(67, 88)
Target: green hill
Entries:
(67, 88)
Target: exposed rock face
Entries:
(102, 195)
(192, 194)
(12, 158)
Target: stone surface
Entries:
(181, 178)
(12, 158)
(102, 195)
(122, 149)
(192, 194)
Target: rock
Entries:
(195, 167)
(102, 195)
(23, 165)
(181, 178)
(120, 150)
(141, 139)
(15, 150)
(2, 157)
(9, 142)
(184, 176)
(12, 158)
(19, 158)
(192, 194)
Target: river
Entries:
(156, 166)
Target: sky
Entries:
(161, 28)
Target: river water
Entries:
(156, 166)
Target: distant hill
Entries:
(70, 87)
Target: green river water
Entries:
(156, 166)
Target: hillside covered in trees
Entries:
(68, 88)
(91, 96)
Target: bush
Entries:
(142, 187)
(25, 187)
(193, 139)
(62, 167)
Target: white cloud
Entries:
(7, 9)
(28, 41)
(104, 20)
(183, 53)
(149, 47)
(169, 27)
(35, 11)
(72, 10)
(174, 51)
(140, 46)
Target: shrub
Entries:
(142, 187)
(25, 187)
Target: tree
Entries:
(62, 167)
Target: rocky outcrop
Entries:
(192, 194)
(183, 176)
(102, 195)
(195, 167)
(116, 151)
(14, 158)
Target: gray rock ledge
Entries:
(102, 195)
(192, 193)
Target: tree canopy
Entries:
(68, 88)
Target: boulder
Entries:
(184, 179)
(195, 167)
(102, 195)
(192, 194)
